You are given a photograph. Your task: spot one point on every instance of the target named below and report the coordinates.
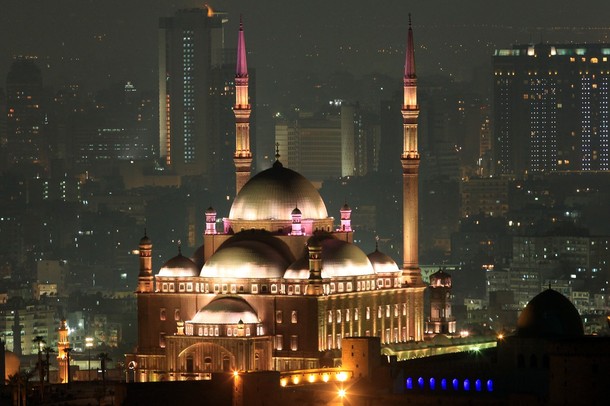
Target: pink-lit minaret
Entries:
(242, 108)
(410, 168)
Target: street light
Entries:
(89, 345)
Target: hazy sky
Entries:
(95, 42)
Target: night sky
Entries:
(97, 42)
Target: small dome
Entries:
(382, 263)
(345, 207)
(145, 240)
(226, 310)
(179, 266)
(210, 210)
(549, 314)
(339, 258)
(296, 211)
(272, 195)
(299, 269)
(245, 259)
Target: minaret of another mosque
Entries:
(63, 347)
(242, 109)
(410, 168)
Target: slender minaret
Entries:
(410, 168)
(145, 277)
(242, 108)
(63, 347)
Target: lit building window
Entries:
(278, 316)
(294, 343)
(293, 317)
(177, 314)
(162, 314)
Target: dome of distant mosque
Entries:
(550, 314)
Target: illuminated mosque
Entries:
(282, 283)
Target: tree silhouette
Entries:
(40, 342)
(103, 357)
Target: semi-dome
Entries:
(549, 314)
(382, 263)
(273, 193)
(226, 310)
(179, 266)
(245, 259)
(339, 259)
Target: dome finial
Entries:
(376, 243)
(179, 247)
(277, 163)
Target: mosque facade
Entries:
(281, 283)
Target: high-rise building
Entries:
(326, 145)
(551, 108)
(191, 43)
(25, 119)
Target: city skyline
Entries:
(97, 45)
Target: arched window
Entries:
(207, 364)
(189, 363)
(477, 385)
(490, 385)
(432, 383)
(466, 384)
(456, 384)
(409, 383)
(420, 382)
(226, 363)
(443, 384)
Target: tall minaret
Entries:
(410, 168)
(145, 278)
(63, 347)
(242, 108)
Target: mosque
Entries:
(282, 283)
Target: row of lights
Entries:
(313, 378)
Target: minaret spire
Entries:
(242, 109)
(410, 168)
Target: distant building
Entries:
(330, 145)
(25, 139)
(551, 108)
(196, 94)
(486, 196)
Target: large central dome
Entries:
(274, 193)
